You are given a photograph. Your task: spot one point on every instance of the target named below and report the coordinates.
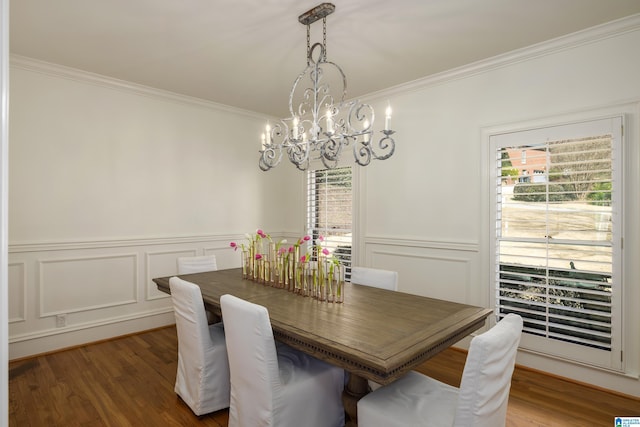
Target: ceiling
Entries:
(247, 53)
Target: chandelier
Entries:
(322, 124)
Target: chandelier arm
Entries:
(362, 153)
(332, 148)
(329, 164)
(387, 145)
(303, 166)
(360, 113)
(299, 152)
(270, 157)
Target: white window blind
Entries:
(329, 210)
(557, 260)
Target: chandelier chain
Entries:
(324, 38)
(308, 44)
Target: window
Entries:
(556, 244)
(329, 210)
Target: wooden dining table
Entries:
(375, 334)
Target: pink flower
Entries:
(290, 249)
(261, 233)
(325, 251)
(303, 239)
(234, 245)
(321, 238)
(281, 251)
(258, 256)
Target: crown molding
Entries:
(569, 41)
(61, 71)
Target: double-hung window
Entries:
(329, 211)
(557, 238)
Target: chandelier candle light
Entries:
(322, 122)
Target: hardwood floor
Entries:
(129, 382)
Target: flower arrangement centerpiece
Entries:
(254, 259)
(284, 267)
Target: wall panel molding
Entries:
(423, 243)
(17, 274)
(117, 243)
(161, 264)
(74, 284)
(440, 269)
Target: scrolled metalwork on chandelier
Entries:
(322, 124)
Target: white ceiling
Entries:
(247, 53)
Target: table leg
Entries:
(356, 387)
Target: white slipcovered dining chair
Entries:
(197, 264)
(384, 279)
(481, 401)
(202, 379)
(275, 385)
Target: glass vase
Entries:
(266, 272)
(313, 285)
(246, 264)
(321, 291)
(279, 280)
(287, 272)
(338, 286)
(272, 252)
(307, 284)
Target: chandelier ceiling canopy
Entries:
(322, 123)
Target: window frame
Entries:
(624, 343)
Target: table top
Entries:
(376, 333)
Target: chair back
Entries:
(197, 264)
(384, 279)
(191, 321)
(486, 378)
(253, 362)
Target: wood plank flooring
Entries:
(129, 381)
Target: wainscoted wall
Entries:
(63, 293)
(443, 270)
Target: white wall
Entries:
(98, 171)
(109, 183)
